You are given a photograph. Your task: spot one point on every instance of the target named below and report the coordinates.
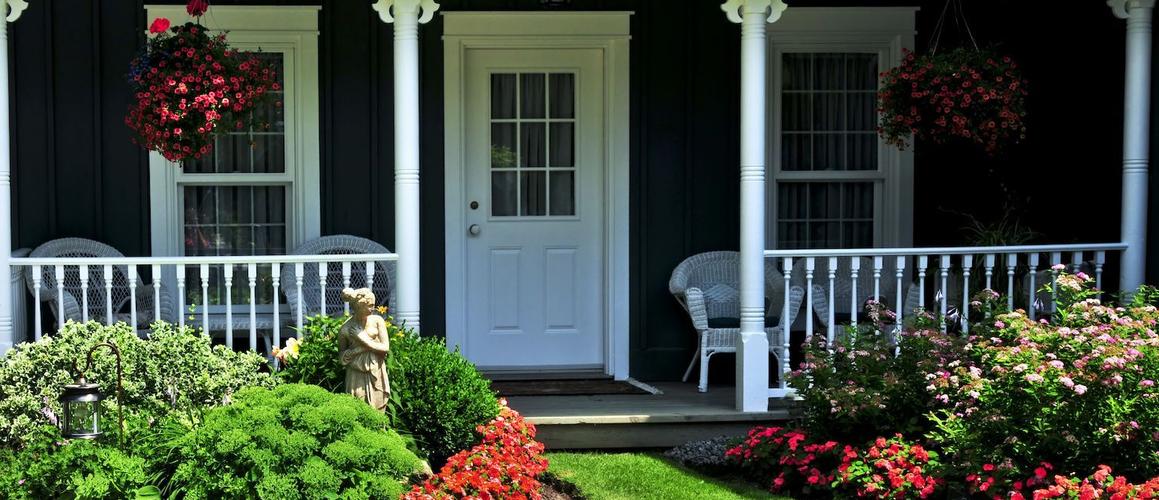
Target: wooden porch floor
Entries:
(678, 415)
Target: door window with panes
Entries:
(829, 178)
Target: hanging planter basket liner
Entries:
(190, 87)
(965, 95)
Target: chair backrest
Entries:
(383, 275)
(843, 282)
(72, 283)
(717, 275)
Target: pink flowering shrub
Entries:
(1077, 392)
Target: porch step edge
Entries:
(659, 419)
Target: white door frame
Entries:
(605, 31)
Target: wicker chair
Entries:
(73, 297)
(384, 275)
(707, 285)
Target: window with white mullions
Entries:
(533, 160)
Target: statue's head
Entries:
(360, 298)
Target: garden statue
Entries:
(363, 342)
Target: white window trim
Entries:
(884, 31)
(608, 31)
(293, 30)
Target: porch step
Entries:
(678, 415)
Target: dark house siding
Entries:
(77, 174)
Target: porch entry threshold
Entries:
(566, 387)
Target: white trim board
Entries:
(606, 31)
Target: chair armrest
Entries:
(694, 303)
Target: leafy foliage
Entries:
(175, 371)
(316, 360)
(295, 441)
(52, 467)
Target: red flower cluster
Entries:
(969, 95)
(890, 468)
(786, 454)
(190, 87)
(506, 465)
(197, 8)
(996, 484)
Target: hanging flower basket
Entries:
(190, 87)
(964, 95)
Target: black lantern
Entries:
(81, 401)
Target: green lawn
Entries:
(616, 476)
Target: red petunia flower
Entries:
(160, 25)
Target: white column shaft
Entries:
(7, 334)
(1136, 130)
(406, 163)
(752, 359)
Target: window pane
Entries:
(836, 101)
(533, 145)
(862, 151)
(797, 71)
(798, 112)
(533, 95)
(562, 95)
(503, 95)
(828, 152)
(503, 193)
(533, 193)
(825, 214)
(796, 152)
(562, 145)
(562, 193)
(861, 71)
(829, 71)
(828, 112)
(503, 145)
(269, 153)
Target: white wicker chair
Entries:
(73, 296)
(707, 285)
(384, 275)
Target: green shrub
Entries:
(294, 441)
(439, 396)
(176, 370)
(316, 360)
(52, 467)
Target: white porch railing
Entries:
(111, 289)
(839, 282)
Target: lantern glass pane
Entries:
(83, 417)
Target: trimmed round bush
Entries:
(439, 396)
(174, 371)
(294, 441)
(51, 467)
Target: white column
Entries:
(406, 16)
(7, 222)
(1136, 145)
(752, 357)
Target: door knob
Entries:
(474, 229)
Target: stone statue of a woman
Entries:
(363, 342)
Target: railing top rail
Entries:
(211, 260)
(897, 252)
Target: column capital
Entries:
(736, 9)
(1122, 8)
(389, 9)
(15, 8)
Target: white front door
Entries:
(534, 207)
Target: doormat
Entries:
(589, 387)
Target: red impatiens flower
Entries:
(160, 25)
(197, 8)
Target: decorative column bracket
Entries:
(1121, 8)
(734, 9)
(15, 8)
(383, 7)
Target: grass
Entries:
(624, 476)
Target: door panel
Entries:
(534, 206)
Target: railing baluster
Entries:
(299, 270)
(252, 270)
(1055, 259)
(1032, 299)
(967, 263)
(1011, 263)
(132, 275)
(1100, 259)
(989, 271)
(1076, 261)
(37, 280)
(900, 272)
(108, 275)
(59, 296)
(923, 263)
(809, 262)
(84, 289)
(181, 295)
(370, 277)
(227, 272)
(854, 267)
(345, 284)
(157, 292)
(783, 374)
(204, 275)
(878, 263)
(323, 273)
(831, 334)
(276, 273)
(944, 269)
